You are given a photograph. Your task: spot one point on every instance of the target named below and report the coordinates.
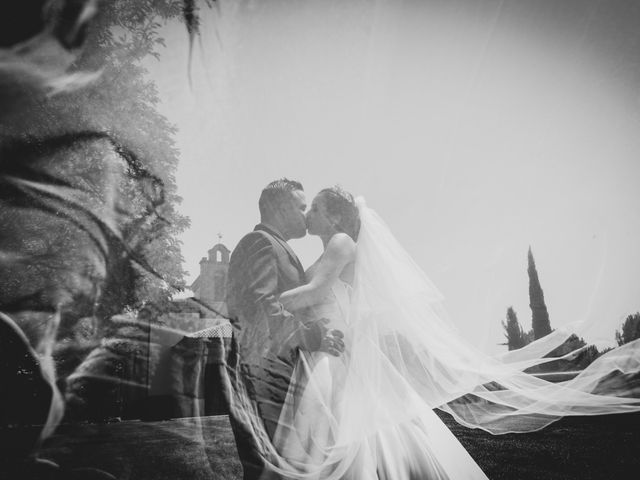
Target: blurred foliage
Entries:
(123, 102)
(112, 381)
(107, 359)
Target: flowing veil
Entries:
(402, 360)
(400, 307)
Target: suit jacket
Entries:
(263, 266)
(266, 337)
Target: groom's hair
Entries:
(273, 194)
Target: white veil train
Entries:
(396, 298)
(402, 360)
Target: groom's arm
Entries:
(260, 297)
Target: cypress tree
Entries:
(513, 331)
(630, 330)
(540, 315)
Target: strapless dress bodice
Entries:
(335, 305)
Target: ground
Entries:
(574, 448)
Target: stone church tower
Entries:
(211, 285)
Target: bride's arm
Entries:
(340, 251)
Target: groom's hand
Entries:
(333, 342)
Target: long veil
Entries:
(402, 310)
(369, 413)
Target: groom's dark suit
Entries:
(266, 337)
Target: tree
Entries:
(516, 338)
(630, 329)
(99, 163)
(122, 102)
(581, 356)
(540, 316)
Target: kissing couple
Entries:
(334, 372)
(299, 363)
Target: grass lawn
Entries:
(606, 447)
(194, 449)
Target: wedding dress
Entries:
(337, 424)
(368, 414)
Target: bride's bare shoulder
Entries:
(340, 251)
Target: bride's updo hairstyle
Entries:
(341, 206)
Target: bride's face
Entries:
(319, 222)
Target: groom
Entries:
(267, 338)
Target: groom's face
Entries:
(293, 215)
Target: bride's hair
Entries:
(341, 205)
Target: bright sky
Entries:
(475, 132)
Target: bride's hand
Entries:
(333, 343)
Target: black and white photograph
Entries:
(319, 239)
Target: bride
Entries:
(355, 416)
(368, 414)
